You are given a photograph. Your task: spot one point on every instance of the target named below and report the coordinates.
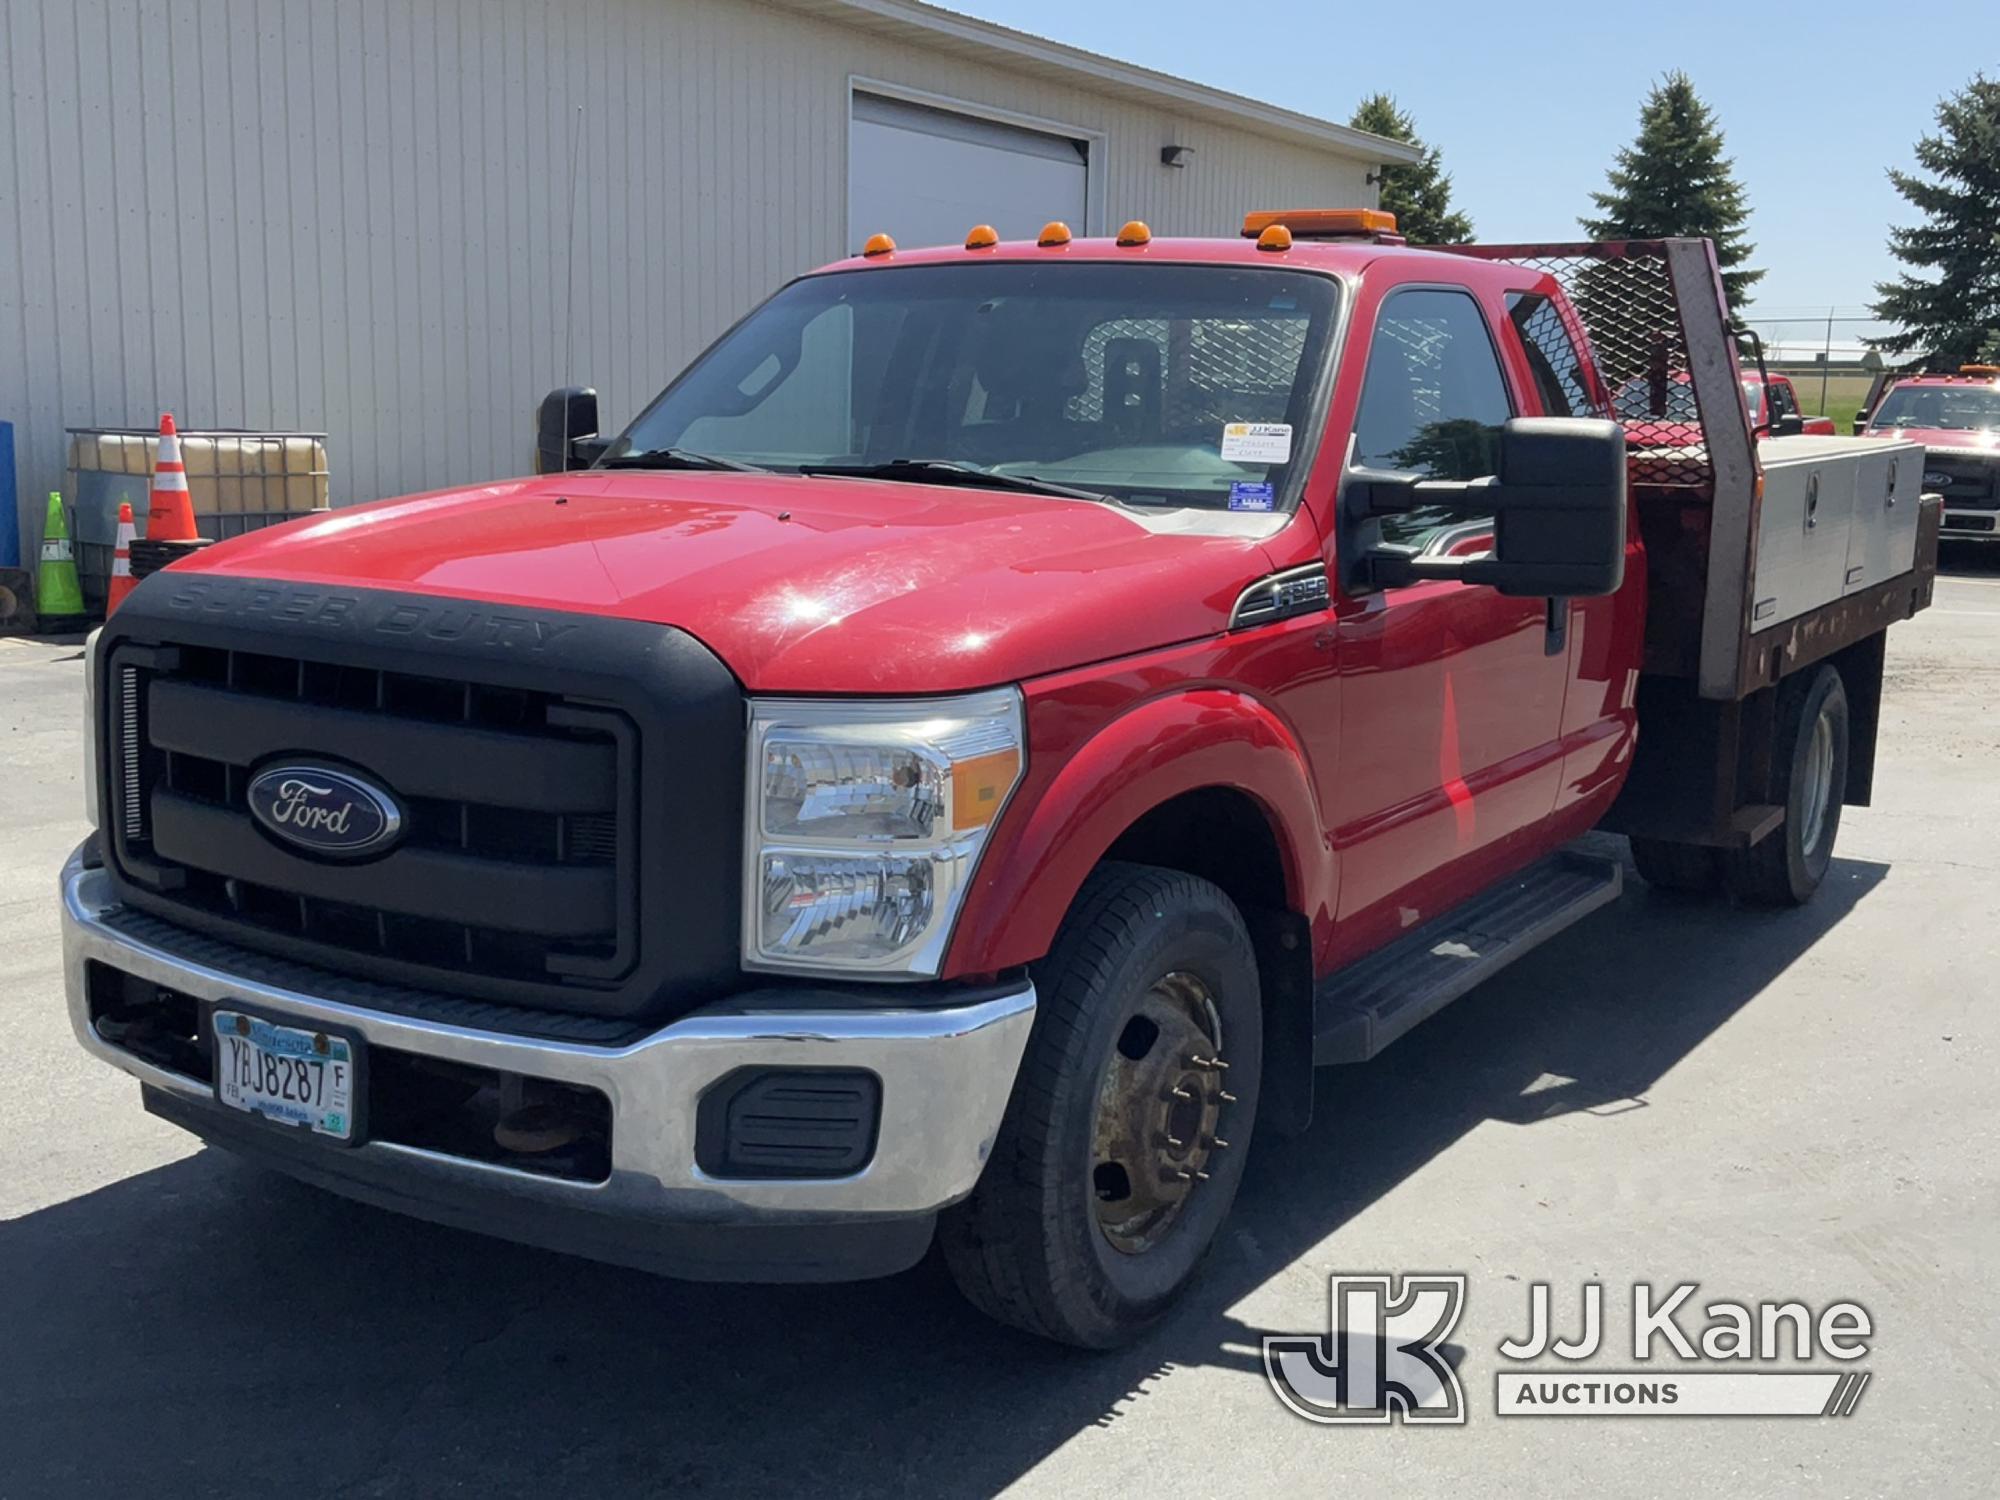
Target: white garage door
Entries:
(925, 176)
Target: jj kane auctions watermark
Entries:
(1385, 1357)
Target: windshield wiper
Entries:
(948, 471)
(678, 458)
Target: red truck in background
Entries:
(972, 747)
(1957, 419)
(1669, 416)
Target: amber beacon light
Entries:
(982, 237)
(1321, 223)
(1054, 235)
(878, 244)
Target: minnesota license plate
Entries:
(288, 1074)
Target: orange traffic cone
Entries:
(171, 518)
(121, 559)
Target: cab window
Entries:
(1433, 400)
(1552, 357)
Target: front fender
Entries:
(1069, 812)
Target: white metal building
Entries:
(359, 216)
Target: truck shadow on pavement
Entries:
(207, 1328)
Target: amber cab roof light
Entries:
(1135, 233)
(982, 237)
(1274, 237)
(1322, 223)
(1055, 233)
(878, 244)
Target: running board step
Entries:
(1367, 1005)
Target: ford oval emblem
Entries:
(325, 811)
(1936, 480)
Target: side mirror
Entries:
(1791, 424)
(566, 430)
(1558, 508)
(1860, 421)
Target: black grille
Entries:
(1963, 481)
(512, 797)
(571, 790)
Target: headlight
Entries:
(866, 820)
(91, 753)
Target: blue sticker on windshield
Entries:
(1246, 496)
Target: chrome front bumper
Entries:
(946, 1074)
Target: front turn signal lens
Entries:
(980, 784)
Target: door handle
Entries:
(1812, 501)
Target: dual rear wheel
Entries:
(1808, 779)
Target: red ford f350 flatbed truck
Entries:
(956, 764)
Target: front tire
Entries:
(1125, 1139)
(1809, 776)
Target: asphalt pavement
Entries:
(1780, 1106)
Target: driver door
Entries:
(1451, 698)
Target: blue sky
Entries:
(1529, 103)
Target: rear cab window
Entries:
(1561, 377)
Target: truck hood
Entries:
(800, 585)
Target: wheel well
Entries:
(1222, 836)
(1216, 833)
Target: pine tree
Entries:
(1951, 316)
(1418, 195)
(1674, 180)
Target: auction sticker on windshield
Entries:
(1257, 442)
(288, 1074)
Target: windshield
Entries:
(1958, 408)
(1151, 384)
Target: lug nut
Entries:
(1218, 1144)
(1180, 1091)
(1174, 1140)
(1225, 1096)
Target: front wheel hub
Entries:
(1159, 1111)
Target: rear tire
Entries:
(1809, 777)
(1119, 1157)
(1692, 869)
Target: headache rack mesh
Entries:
(1624, 293)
